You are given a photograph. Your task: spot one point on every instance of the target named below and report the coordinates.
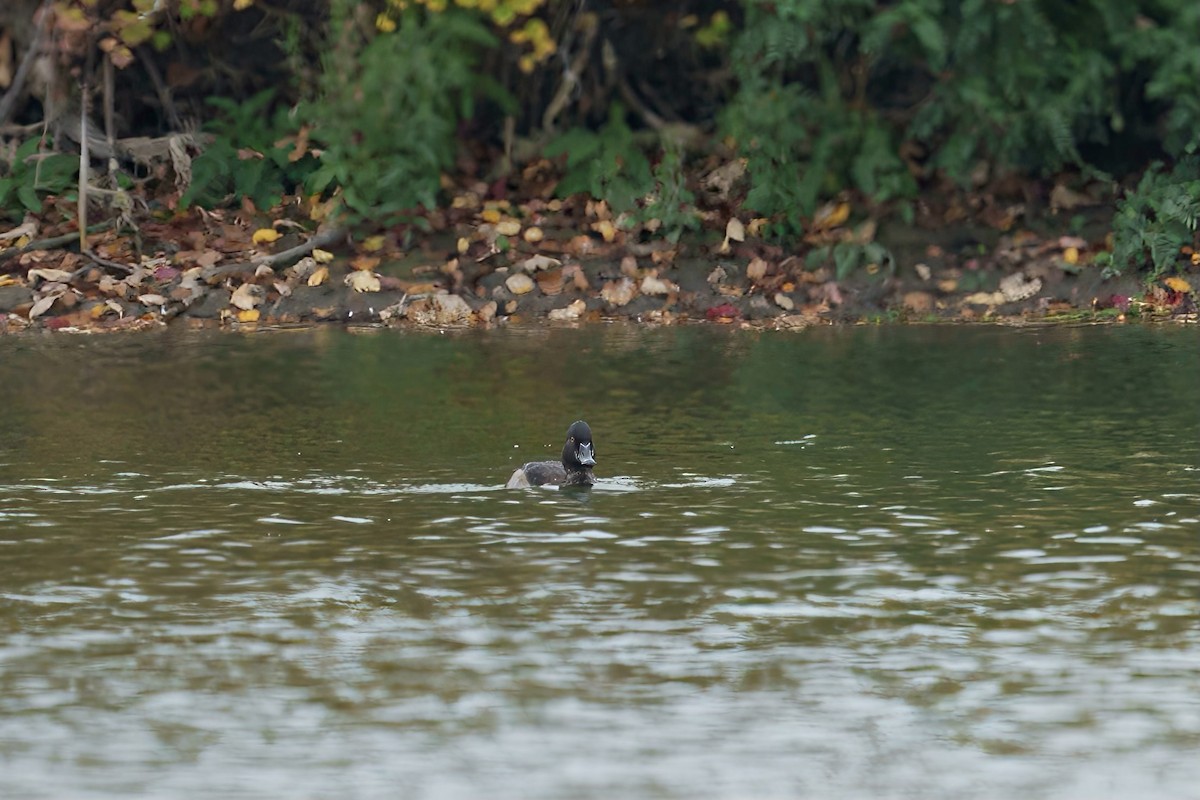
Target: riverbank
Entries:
(492, 270)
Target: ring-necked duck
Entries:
(578, 458)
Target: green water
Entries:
(853, 563)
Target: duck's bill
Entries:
(586, 455)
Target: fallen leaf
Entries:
(756, 270)
(725, 312)
(534, 263)
(50, 274)
(42, 306)
(508, 227)
(533, 235)
(629, 266)
(152, 300)
(918, 302)
(550, 282)
(654, 285)
(606, 229)
(830, 215)
(246, 296)
(784, 302)
(365, 263)
(373, 244)
(248, 315)
(491, 215)
(571, 312)
(519, 283)
(1071, 255)
(265, 236)
(362, 281)
(734, 231)
(321, 256)
(576, 274)
(463, 245)
(1177, 284)
(318, 276)
(618, 293)
(26, 230)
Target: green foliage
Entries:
(1157, 219)
(389, 106)
(847, 257)
(799, 116)
(248, 157)
(670, 208)
(827, 92)
(607, 164)
(31, 175)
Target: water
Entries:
(859, 563)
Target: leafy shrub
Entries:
(798, 115)
(390, 104)
(670, 208)
(1157, 219)
(31, 175)
(606, 164)
(827, 92)
(250, 155)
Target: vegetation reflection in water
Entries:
(851, 563)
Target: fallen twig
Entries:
(53, 242)
(322, 238)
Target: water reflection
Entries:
(862, 563)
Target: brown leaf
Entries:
(246, 296)
(550, 282)
(619, 292)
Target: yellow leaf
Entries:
(533, 235)
(318, 277)
(830, 216)
(248, 315)
(265, 236)
(322, 256)
(7, 280)
(1071, 255)
(242, 5)
(606, 229)
(509, 227)
(1177, 284)
(373, 244)
(385, 24)
(362, 281)
(491, 215)
(463, 245)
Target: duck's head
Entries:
(579, 452)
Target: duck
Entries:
(575, 469)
